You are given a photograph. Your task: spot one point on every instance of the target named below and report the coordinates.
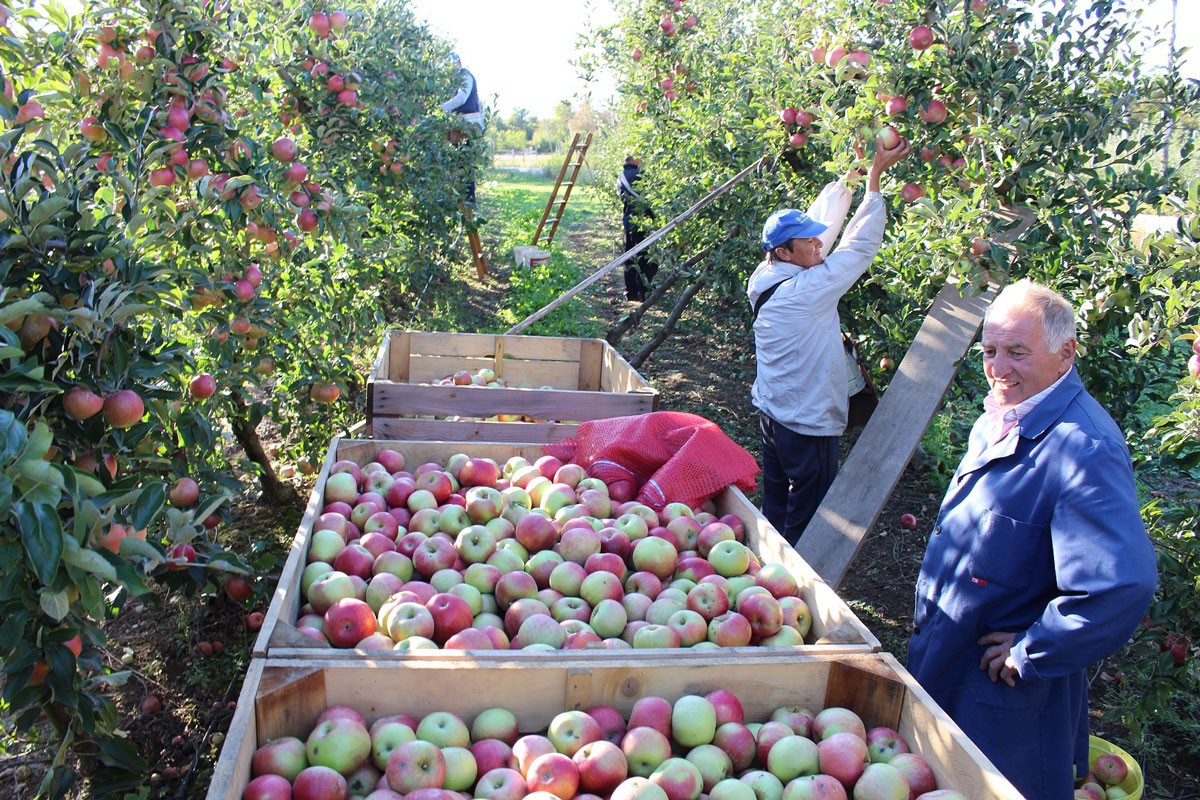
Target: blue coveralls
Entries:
(1039, 534)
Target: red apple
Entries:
(920, 37)
(123, 409)
(81, 403)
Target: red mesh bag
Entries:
(670, 455)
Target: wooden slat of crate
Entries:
(835, 626)
(477, 401)
(450, 430)
(587, 380)
(282, 698)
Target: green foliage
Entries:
(149, 233)
(1051, 145)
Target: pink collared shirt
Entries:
(1002, 421)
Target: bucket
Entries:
(538, 257)
(521, 254)
(1134, 782)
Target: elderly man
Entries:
(1038, 564)
(801, 388)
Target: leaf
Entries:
(148, 505)
(139, 548)
(54, 604)
(89, 560)
(12, 435)
(46, 210)
(42, 537)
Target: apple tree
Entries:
(1036, 128)
(160, 287)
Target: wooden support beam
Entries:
(633, 251)
(887, 443)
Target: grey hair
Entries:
(1055, 312)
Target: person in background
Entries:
(466, 104)
(1038, 564)
(801, 389)
(640, 270)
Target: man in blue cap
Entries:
(801, 387)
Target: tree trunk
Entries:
(275, 491)
(632, 319)
(681, 304)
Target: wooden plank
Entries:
(398, 363)
(874, 695)
(287, 591)
(591, 365)
(289, 700)
(232, 772)
(282, 698)
(887, 443)
(560, 405)
(400, 428)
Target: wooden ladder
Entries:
(572, 163)
(472, 231)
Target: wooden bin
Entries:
(835, 627)
(587, 380)
(284, 697)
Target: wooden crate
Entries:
(284, 698)
(588, 380)
(835, 627)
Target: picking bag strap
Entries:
(765, 296)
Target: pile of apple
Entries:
(1103, 781)
(474, 555)
(700, 745)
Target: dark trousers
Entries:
(797, 472)
(640, 270)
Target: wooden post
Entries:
(890, 438)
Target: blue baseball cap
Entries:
(788, 224)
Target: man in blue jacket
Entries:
(1038, 564)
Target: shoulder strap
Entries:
(624, 185)
(765, 296)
